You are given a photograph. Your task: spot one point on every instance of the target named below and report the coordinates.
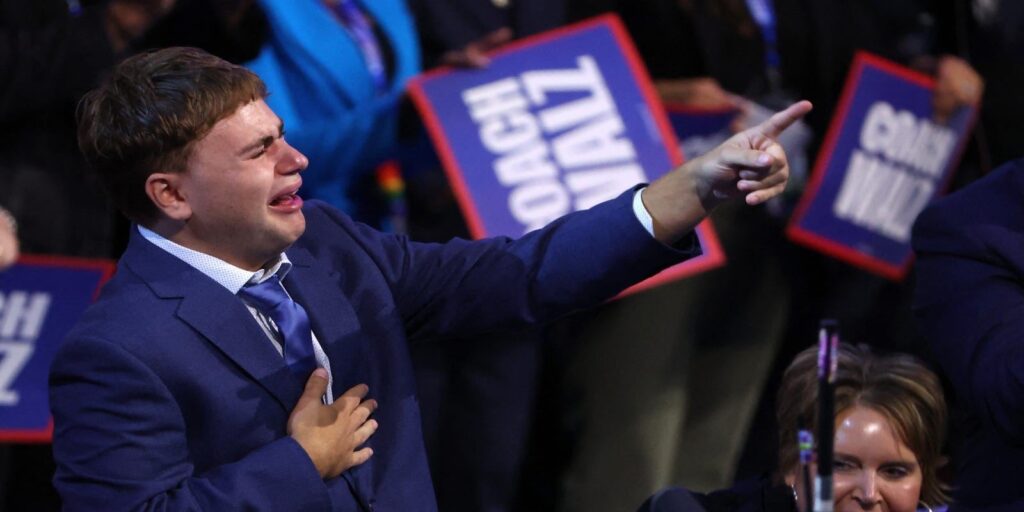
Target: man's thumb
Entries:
(316, 386)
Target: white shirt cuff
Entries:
(641, 212)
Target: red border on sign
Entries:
(106, 270)
(826, 245)
(712, 257)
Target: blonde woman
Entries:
(889, 429)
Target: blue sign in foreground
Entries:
(884, 159)
(557, 123)
(41, 298)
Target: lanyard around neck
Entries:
(359, 27)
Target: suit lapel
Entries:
(228, 324)
(216, 314)
(320, 291)
(334, 321)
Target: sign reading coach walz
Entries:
(41, 298)
(884, 159)
(557, 123)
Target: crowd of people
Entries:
(456, 380)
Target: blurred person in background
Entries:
(338, 69)
(968, 302)
(989, 36)
(890, 420)
(51, 52)
(9, 247)
(479, 397)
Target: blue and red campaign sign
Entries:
(557, 123)
(41, 298)
(884, 159)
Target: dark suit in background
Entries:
(970, 305)
(452, 24)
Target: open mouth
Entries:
(284, 199)
(288, 200)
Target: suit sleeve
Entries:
(970, 305)
(468, 287)
(121, 444)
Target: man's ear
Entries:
(164, 189)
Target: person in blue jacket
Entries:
(338, 70)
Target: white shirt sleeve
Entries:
(641, 212)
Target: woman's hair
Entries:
(897, 386)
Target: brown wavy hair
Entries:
(147, 114)
(898, 386)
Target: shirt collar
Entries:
(227, 275)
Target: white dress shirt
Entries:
(234, 278)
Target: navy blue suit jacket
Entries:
(970, 304)
(168, 396)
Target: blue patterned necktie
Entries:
(292, 321)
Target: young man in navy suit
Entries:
(229, 362)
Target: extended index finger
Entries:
(778, 122)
